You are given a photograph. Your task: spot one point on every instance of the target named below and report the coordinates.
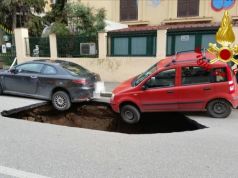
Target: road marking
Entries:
(18, 173)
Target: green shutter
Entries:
(198, 38)
(150, 45)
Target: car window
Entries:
(74, 69)
(49, 70)
(145, 74)
(195, 75)
(29, 68)
(219, 75)
(165, 78)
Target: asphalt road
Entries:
(35, 150)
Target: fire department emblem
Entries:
(225, 37)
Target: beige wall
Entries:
(110, 69)
(206, 11)
(115, 69)
(155, 14)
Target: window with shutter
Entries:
(133, 44)
(128, 10)
(188, 8)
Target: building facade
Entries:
(189, 24)
(156, 29)
(156, 12)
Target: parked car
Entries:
(178, 83)
(58, 81)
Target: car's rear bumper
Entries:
(235, 101)
(82, 94)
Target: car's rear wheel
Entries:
(130, 114)
(219, 108)
(61, 100)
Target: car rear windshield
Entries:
(74, 69)
(144, 75)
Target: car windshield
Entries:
(74, 69)
(145, 74)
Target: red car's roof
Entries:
(190, 58)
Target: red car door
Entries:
(195, 89)
(160, 92)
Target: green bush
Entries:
(7, 60)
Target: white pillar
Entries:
(21, 34)
(102, 45)
(53, 47)
(235, 29)
(161, 44)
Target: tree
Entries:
(20, 13)
(60, 29)
(75, 18)
(57, 14)
(56, 19)
(85, 21)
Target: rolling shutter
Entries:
(128, 10)
(188, 8)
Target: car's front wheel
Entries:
(130, 114)
(61, 100)
(219, 108)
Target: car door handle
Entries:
(33, 76)
(170, 91)
(207, 88)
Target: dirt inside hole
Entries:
(101, 117)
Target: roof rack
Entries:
(179, 52)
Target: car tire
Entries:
(130, 114)
(61, 101)
(219, 108)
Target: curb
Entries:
(6, 113)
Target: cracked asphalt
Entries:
(59, 151)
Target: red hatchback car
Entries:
(178, 83)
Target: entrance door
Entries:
(196, 88)
(25, 81)
(160, 93)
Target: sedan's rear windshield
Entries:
(74, 69)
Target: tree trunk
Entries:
(14, 18)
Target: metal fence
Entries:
(76, 46)
(37, 47)
(7, 50)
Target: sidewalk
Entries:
(13, 102)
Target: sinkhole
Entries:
(99, 116)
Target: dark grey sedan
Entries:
(58, 81)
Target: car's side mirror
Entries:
(149, 83)
(14, 71)
(144, 87)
